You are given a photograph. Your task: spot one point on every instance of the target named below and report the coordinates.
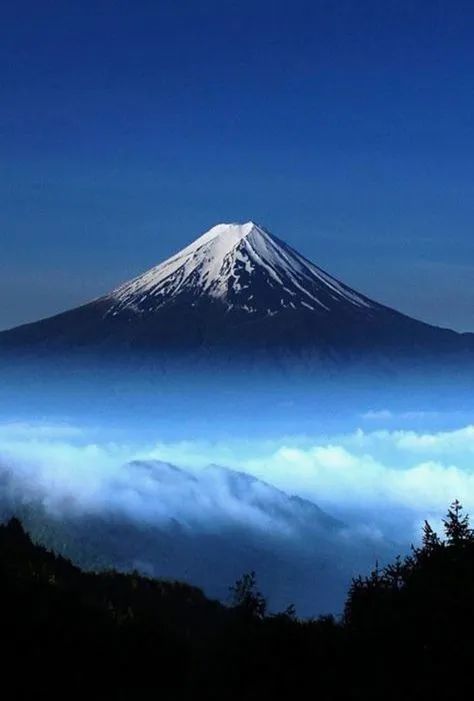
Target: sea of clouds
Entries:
(384, 480)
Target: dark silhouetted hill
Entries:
(406, 632)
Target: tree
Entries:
(247, 598)
(430, 540)
(395, 574)
(456, 526)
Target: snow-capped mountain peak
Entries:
(238, 293)
(242, 266)
(232, 233)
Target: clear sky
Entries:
(128, 127)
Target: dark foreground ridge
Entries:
(406, 632)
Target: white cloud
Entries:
(445, 442)
(377, 479)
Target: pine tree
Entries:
(430, 539)
(395, 574)
(456, 526)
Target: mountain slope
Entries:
(204, 527)
(244, 267)
(240, 288)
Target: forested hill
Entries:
(406, 632)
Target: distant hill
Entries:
(214, 524)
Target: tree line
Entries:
(406, 631)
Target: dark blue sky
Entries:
(129, 127)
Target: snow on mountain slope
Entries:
(244, 267)
(238, 288)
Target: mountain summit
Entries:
(242, 266)
(237, 289)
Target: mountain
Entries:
(245, 269)
(205, 527)
(239, 288)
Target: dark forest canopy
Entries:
(406, 631)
